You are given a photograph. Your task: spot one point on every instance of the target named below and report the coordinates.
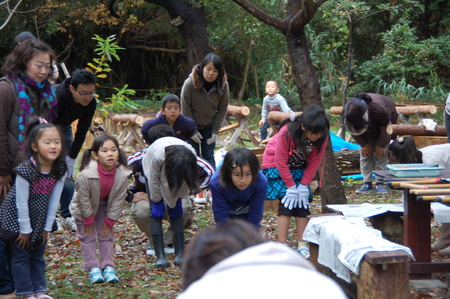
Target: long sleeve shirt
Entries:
(226, 199)
(275, 103)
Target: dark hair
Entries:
(403, 150)
(238, 157)
(215, 59)
(215, 244)
(33, 133)
(96, 145)
(314, 120)
(170, 98)
(276, 83)
(157, 132)
(354, 112)
(82, 76)
(17, 61)
(24, 36)
(181, 166)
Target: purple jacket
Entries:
(184, 127)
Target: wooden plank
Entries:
(386, 257)
(433, 267)
(229, 127)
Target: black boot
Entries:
(178, 238)
(178, 243)
(161, 261)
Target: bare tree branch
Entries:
(261, 15)
(10, 12)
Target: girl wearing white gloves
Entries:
(290, 162)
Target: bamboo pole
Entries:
(438, 198)
(427, 186)
(429, 191)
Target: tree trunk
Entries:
(193, 30)
(245, 72)
(298, 15)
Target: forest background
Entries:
(397, 48)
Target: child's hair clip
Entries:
(42, 120)
(400, 139)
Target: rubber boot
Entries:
(161, 261)
(178, 242)
(444, 238)
(178, 239)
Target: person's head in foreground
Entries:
(234, 261)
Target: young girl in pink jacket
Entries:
(290, 162)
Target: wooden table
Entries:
(417, 232)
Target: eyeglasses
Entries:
(86, 95)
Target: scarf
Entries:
(45, 91)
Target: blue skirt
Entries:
(276, 188)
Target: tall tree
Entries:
(298, 15)
(189, 18)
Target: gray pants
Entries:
(370, 163)
(140, 211)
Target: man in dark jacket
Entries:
(76, 100)
(366, 117)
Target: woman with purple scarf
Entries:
(24, 92)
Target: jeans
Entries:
(6, 278)
(263, 129)
(370, 163)
(68, 189)
(66, 197)
(207, 150)
(28, 268)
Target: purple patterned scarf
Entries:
(45, 91)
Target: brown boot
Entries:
(444, 238)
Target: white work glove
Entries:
(197, 138)
(291, 200)
(212, 139)
(303, 196)
(70, 165)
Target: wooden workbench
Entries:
(417, 232)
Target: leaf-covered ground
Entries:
(140, 279)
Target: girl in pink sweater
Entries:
(290, 162)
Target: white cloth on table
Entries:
(343, 242)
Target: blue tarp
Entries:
(339, 143)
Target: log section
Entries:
(415, 130)
(406, 110)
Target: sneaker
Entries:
(150, 251)
(110, 275)
(200, 199)
(381, 189)
(95, 276)
(304, 252)
(57, 229)
(365, 188)
(69, 223)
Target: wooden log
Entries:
(384, 275)
(406, 110)
(134, 119)
(423, 141)
(347, 161)
(415, 130)
(279, 116)
(241, 110)
(229, 127)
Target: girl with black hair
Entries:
(239, 188)
(170, 169)
(29, 209)
(100, 191)
(290, 162)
